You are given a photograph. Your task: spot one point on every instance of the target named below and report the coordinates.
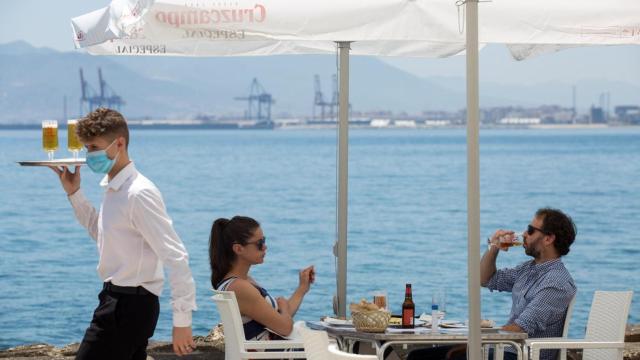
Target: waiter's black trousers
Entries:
(121, 326)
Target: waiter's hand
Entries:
(183, 341)
(70, 180)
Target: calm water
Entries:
(407, 216)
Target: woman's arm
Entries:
(307, 277)
(254, 306)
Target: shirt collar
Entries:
(547, 265)
(120, 178)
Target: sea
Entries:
(407, 216)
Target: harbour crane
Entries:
(91, 99)
(259, 103)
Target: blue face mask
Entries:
(99, 162)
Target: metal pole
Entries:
(343, 175)
(473, 181)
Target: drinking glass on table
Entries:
(380, 299)
(439, 298)
(50, 137)
(73, 142)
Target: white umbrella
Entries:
(373, 27)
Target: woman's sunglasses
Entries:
(259, 243)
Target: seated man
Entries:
(541, 288)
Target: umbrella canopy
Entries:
(425, 28)
(431, 28)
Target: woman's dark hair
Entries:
(225, 233)
(561, 225)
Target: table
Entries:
(382, 341)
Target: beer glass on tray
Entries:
(50, 137)
(73, 143)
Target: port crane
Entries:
(259, 103)
(91, 99)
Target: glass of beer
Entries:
(73, 142)
(50, 137)
(516, 240)
(380, 299)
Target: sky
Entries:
(46, 23)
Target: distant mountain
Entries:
(613, 63)
(23, 48)
(374, 85)
(34, 81)
(559, 92)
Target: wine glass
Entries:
(50, 137)
(439, 298)
(73, 142)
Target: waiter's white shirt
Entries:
(135, 236)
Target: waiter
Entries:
(135, 238)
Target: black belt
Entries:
(129, 290)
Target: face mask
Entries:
(99, 162)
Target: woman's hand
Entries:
(307, 277)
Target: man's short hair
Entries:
(559, 224)
(103, 122)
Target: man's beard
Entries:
(531, 251)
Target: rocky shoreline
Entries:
(211, 347)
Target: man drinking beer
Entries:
(541, 288)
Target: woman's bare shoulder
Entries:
(242, 287)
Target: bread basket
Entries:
(373, 321)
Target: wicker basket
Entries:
(371, 321)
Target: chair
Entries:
(235, 345)
(562, 355)
(318, 347)
(565, 329)
(604, 339)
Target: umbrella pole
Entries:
(473, 181)
(343, 175)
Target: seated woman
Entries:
(234, 246)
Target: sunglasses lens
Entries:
(530, 230)
(261, 243)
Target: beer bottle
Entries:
(408, 309)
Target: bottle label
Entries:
(407, 317)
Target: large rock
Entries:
(156, 351)
(210, 347)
